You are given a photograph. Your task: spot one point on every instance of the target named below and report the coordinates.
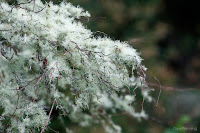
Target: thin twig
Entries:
(49, 116)
(168, 88)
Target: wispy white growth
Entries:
(46, 55)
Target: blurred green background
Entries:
(167, 34)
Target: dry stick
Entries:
(94, 19)
(52, 130)
(29, 83)
(16, 105)
(171, 88)
(30, 9)
(135, 89)
(139, 74)
(4, 30)
(20, 89)
(141, 89)
(167, 88)
(41, 77)
(48, 116)
(36, 93)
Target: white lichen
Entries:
(48, 55)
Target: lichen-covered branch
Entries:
(48, 58)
